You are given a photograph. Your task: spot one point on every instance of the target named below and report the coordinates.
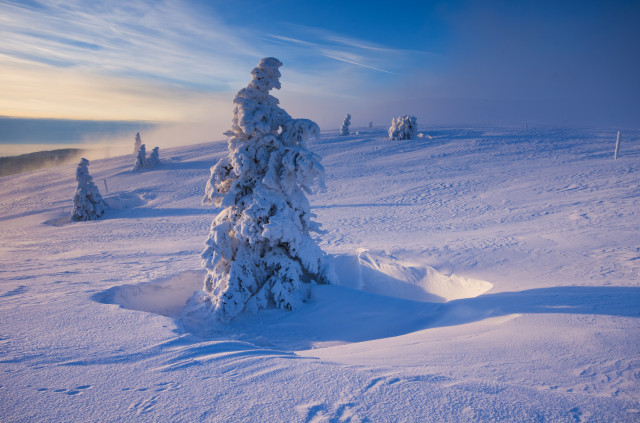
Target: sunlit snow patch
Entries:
(129, 200)
(385, 275)
(163, 296)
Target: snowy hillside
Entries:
(485, 275)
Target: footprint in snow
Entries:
(71, 391)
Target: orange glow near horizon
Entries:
(48, 92)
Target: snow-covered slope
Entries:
(484, 275)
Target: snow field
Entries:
(484, 275)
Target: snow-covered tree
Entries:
(137, 143)
(154, 158)
(141, 159)
(87, 202)
(370, 124)
(260, 252)
(344, 129)
(403, 128)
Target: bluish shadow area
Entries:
(333, 315)
(189, 165)
(146, 213)
(611, 301)
(336, 315)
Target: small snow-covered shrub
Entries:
(154, 158)
(403, 128)
(137, 143)
(344, 129)
(87, 201)
(141, 159)
(260, 252)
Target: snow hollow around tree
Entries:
(260, 252)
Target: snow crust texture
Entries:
(260, 252)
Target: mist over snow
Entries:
(483, 274)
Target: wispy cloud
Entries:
(349, 58)
(162, 60)
(332, 53)
(357, 52)
(140, 59)
(164, 39)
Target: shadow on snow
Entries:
(335, 314)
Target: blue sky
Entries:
(445, 62)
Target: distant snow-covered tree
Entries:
(141, 159)
(154, 158)
(403, 128)
(137, 143)
(344, 130)
(260, 252)
(370, 124)
(87, 201)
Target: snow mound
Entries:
(385, 275)
(165, 296)
(130, 200)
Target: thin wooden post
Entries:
(105, 185)
(615, 155)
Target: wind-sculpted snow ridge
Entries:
(384, 275)
(260, 251)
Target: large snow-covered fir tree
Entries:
(403, 128)
(344, 129)
(260, 252)
(154, 158)
(137, 143)
(141, 159)
(87, 202)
